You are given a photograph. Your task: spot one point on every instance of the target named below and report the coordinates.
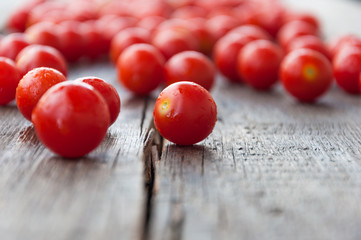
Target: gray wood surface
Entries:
(272, 169)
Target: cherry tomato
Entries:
(259, 62)
(302, 16)
(66, 124)
(43, 33)
(95, 43)
(125, 38)
(35, 56)
(347, 67)
(309, 42)
(173, 41)
(33, 85)
(150, 23)
(190, 66)
(291, 30)
(306, 74)
(189, 12)
(12, 44)
(219, 25)
(338, 43)
(141, 68)
(251, 31)
(185, 113)
(9, 79)
(108, 92)
(71, 40)
(225, 55)
(18, 19)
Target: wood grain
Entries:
(273, 168)
(98, 197)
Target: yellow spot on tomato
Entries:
(309, 72)
(164, 106)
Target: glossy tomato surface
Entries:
(190, 66)
(347, 67)
(309, 42)
(141, 68)
(35, 56)
(306, 74)
(66, 124)
(259, 63)
(12, 44)
(33, 85)
(108, 92)
(9, 79)
(185, 113)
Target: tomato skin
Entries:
(337, 44)
(225, 55)
(35, 56)
(141, 68)
(306, 74)
(66, 124)
(259, 63)
(190, 66)
(251, 31)
(294, 29)
(12, 44)
(43, 33)
(309, 42)
(126, 38)
(347, 67)
(219, 25)
(33, 85)
(9, 79)
(185, 113)
(108, 92)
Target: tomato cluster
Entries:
(165, 43)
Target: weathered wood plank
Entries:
(272, 169)
(98, 197)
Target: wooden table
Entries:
(272, 169)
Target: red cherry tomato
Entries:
(71, 40)
(95, 43)
(173, 41)
(44, 33)
(108, 92)
(302, 16)
(251, 31)
(190, 66)
(189, 12)
(12, 44)
(150, 23)
(309, 42)
(66, 124)
(125, 38)
(35, 56)
(219, 25)
(294, 29)
(347, 67)
(225, 54)
(9, 79)
(259, 62)
(306, 74)
(336, 44)
(141, 68)
(33, 85)
(185, 113)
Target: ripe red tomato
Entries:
(43, 33)
(225, 54)
(125, 38)
(172, 41)
(309, 42)
(33, 85)
(66, 124)
(71, 40)
(219, 25)
(251, 31)
(95, 43)
(306, 74)
(12, 44)
(259, 63)
(190, 66)
(185, 113)
(294, 29)
(347, 67)
(141, 68)
(108, 92)
(338, 43)
(9, 79)
(35, 56)
(150, 23)
(302, 16)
